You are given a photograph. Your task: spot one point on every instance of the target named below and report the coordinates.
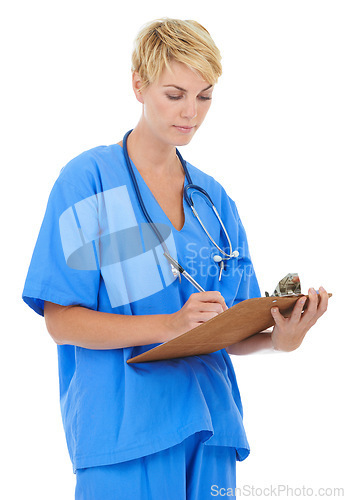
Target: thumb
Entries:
(278, 318)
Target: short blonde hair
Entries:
(165, 40)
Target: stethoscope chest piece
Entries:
(219, 260)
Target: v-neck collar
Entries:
(143, 183)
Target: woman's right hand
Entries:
(77, 325)
(199, 308)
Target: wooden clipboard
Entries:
(231, 326)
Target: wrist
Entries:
(281, 344)
(168, 327)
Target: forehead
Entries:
(180, 75)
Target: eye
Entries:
(174, 97)
(178, 97)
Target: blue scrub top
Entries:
(95, 249)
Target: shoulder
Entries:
(86, 169)
(88, 174)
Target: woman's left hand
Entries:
(288, 333)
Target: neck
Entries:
(150, 154)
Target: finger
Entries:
(310, 315)
(210, 307)
(312, 304)
(297, 310)
(278, 318)
(323, 302)
(206, 316)
(212, 296)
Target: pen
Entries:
(184, 273)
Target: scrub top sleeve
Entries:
(64, 267)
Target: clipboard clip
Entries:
(289, 285)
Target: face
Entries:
(175, 105)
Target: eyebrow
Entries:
(184, 90)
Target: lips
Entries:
(184, 129)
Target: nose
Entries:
(189, 109)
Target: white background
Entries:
(274, 137)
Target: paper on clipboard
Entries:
(231, 326)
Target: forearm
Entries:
(98, 330)
(260, 342)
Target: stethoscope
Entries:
(189, 200)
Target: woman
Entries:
(169, 429)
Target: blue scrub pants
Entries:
(188, 471)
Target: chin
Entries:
(182, 139)
(181, 142)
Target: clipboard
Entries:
(231, 326)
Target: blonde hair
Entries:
(165, 40)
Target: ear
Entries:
(137, 84)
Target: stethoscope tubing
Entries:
(138, 194)
(188, 199)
